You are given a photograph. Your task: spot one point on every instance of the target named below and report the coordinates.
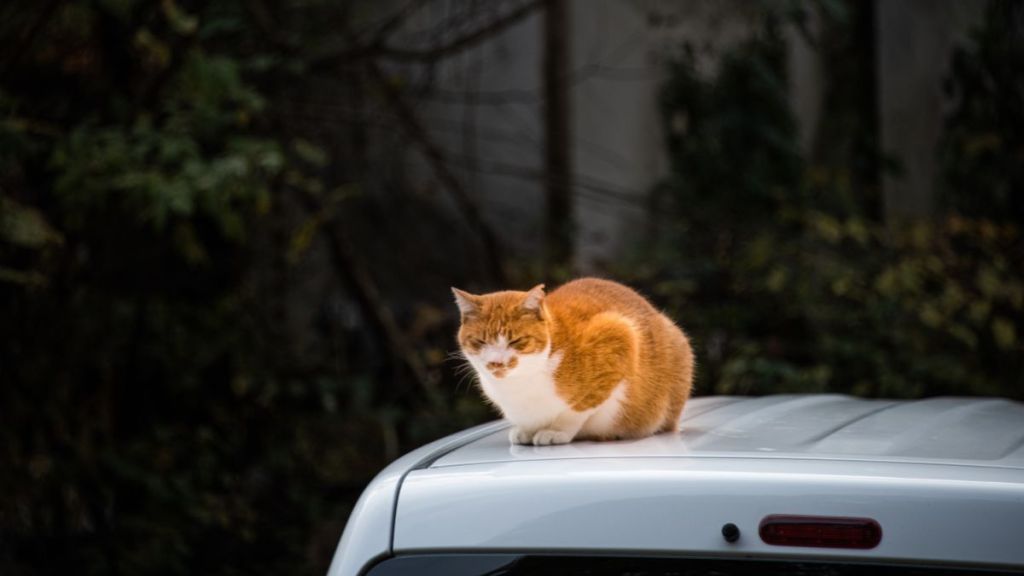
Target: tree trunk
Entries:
(557, 150)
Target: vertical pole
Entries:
(558, 225)
(869, 176)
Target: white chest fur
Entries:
(526, 395)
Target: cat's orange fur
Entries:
(591, 360)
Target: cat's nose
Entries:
(505, 365)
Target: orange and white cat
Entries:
(591, 360)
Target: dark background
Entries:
(224, 298)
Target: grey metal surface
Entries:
(954, 431)
(930, 514)
(368, 533)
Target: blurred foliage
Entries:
(159, 198)
(789, 284)
(983, 153)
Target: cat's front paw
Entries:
(518, 435)
(549, 437)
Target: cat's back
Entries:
(587, 297)
(608, 329)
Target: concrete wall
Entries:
(915, 42)
(485, 107)
(486, 111)
(619, 51)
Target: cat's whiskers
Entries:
(467, 378)
(463, 371)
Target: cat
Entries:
(591, 360)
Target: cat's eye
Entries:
(476, 342)
(518, 341)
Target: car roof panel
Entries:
(964, 431)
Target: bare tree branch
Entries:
(585, 185)
(379, 47)
(418, 133)
(25, 41)
(463, 42)
(396, 20)
(264, 21)
(368, 54)
(347, 261)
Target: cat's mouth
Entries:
(501, 369)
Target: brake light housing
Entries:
(820, 531)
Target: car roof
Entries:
(950, 431)
(942, 477)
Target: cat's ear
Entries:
(534, 298)
(467, 303)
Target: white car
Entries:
(813, 484)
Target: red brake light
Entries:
(820, 531)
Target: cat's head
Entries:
(502, 329)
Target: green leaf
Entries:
(182, 22)
(309, 152)
(988, 281)
(25, 226)
(828, 228)
(1004, 332)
